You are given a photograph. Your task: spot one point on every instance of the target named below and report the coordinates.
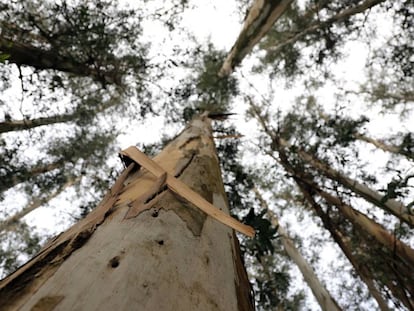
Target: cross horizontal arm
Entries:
(186, 192)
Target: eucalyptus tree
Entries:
(378, 252)
(171, 236)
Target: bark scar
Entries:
(147, 200)
(185, 191)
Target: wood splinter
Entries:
(177, 186)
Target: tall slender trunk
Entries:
(392, 206)
(390, 241)
(401, 253)
(362, 271)
(19, 125)
(262, 15)
(383, 146)
(24, 54)
(375, 142)
(25, 174)
(144, 247)
(377, 278)
(8, 223)
(26, 124)
(325, 300)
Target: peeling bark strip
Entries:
(144, 202)
(106, 262)
(184, 191)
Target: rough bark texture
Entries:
(170, 256)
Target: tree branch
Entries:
(340, 17)
(43, 59)
(10, 221)
(32, 172)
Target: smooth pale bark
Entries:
(306, 188)
(8, 223)
(19, 125)
(340, 17)
(383, 146)
(326, 302)
(262, 15)
(390, 241)
(362, 271)
(392, 206)
(26, 124)
(382, 236)
(375, 142)
(170, 256)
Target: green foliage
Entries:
(85, 34)
(203, 90)
(262, 243)
(16, 247)
(390, 69)
(398, 188)
(305, 38)
(4, 57)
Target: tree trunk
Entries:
(325, 300)
(9, 222)
(392, 206)
(25, 174)
(383, 146)
(261, 17)
(360, 268)
(378, 232)
(144, 247)
(27, 124)
(19, 125)
(308, 189)
(24, 54)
